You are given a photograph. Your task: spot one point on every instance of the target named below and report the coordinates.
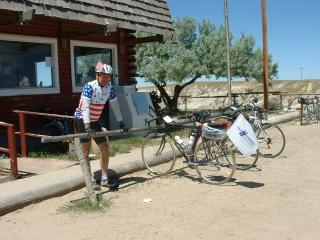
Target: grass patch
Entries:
(84, 206)
(59, 155)
(117, 145)
(124, 145)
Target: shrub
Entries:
(274, 104)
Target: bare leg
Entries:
(86, 151)
(104, 161)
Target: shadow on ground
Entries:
(250, 184)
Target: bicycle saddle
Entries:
(220, 123)
(302, 100)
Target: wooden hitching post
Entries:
(85, 171)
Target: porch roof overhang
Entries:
(150, 16)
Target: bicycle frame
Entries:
(257, 125)
(210, 158)
(313, 107)
(255, 119)
(309, 107)
(184, 153)
(187, 154)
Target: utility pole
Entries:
(265, 57)
(301, 68)
(226, 25)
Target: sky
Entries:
(292, 29)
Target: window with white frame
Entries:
(28, 65)
(84, 57)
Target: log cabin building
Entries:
(48, 48)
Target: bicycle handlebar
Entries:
(309, 100)
(147, 121)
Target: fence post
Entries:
(12, 151)
(85, 171)
(281, 107)
(23, 134)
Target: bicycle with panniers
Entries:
(270, 136)
(309, 110)
(214, 163)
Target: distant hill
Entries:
(221, 88)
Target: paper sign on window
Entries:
(48, 61)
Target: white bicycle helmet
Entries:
(103, 68)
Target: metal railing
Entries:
(286, 94)
(22, 126)
(12, 149)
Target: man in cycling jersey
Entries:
(95, 95)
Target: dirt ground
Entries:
(29, 167)
(277, 200)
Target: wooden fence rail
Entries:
(234, 96)
(93, 196)
(46, 139)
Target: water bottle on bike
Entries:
(181, 143)
(192, 138)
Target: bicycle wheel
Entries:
(301, 116)
(158, 154)
(242, 162)
(271, 141)
(306, 114)
(215, 164)
(245, 163)
(314, 111)
(52, 129)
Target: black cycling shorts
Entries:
(93, 125)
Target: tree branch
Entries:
(191, 81)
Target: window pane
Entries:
(85, 60)
(44, 74)
(24, 64)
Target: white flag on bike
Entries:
(243, 137)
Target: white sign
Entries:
(167, 119)
(243, 137)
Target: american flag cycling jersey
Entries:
(92, 101)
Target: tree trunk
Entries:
(172, 102)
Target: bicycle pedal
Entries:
(191, 163)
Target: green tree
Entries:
(197, 49)
(247, 63)
(255, 67)
(86, 63)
